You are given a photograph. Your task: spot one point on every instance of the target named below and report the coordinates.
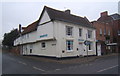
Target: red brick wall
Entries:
(116, 27)
(15, 50)
(100, 25)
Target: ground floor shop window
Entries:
(69, 45)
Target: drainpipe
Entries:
(86, 47)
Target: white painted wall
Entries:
(49, 50)
(33, 36)
(99, 49)
(45, 18)
(57, 29)
(27, 38)
(30, 37)
(60, 35)
(56, 39)
(46, 29)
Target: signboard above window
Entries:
(45, 35)
(81, 40)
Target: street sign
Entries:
(87, 42)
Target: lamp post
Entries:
(86, 42)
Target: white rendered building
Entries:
(57, 34)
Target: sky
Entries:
(15, 12)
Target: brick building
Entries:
(57, 34)
(107, 32)
(116, 31)
(104, 36)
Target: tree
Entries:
(9, 38)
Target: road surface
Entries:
(12, 64)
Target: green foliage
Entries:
(10, 37)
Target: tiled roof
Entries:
(61, 16)
(30, 28)
(109, 18)
(105, 19)
(115, 16)
(66, 17)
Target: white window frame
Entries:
(27, 35)
(109, 32)
(69, 31)
(43, 45)
(70, 44)
(80, 32)
(31, 46)
(89, 33)
(104, 31)
(100, 31)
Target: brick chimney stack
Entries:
(20, 28)
(67, 11)
(104, 14)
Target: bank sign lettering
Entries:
(45, 35)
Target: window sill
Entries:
(90, 38)
(90, 50)
(43, 48)
(70, 36)
(69, 51)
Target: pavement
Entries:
(17, 64)
(73, 60)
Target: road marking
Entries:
(22, 63)
(12, 59)
(107, 68)
(38, 68)
(57, 69)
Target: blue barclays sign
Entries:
(45, 35)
